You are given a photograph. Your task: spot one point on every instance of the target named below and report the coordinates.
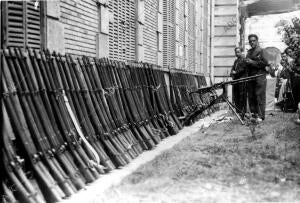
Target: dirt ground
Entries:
(224, 163)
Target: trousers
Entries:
(240, 97)
(257, 96)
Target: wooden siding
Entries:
(225, 37)
(81, 26)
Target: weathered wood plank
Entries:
(81, 49)
(89, 15)
(88, 38)
(225, 10)
(223, 61)
(78, 20)
(225, 2)
(80, 43)
(222, 71)
(78, 52)
(82, 5)
(79, 31)
(224, 51)
(225, 20)
(79, 25)
(225, 31)
(225, 41)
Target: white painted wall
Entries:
(225, 37)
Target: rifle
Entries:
(135, 106)
(175, 94)
(165, 93)
(125, 109)
(148, 89)
(120, 129)
(124, 157)
(54, 137)
(160, 101)
(54, 111)
(13, 165)
(66, 125)
(218, 98)
(7, 194)
(140, 84)
(17, 110)
(128, 103)
(143, 119)
(121, 132)
(75, 95)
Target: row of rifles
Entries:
(181, 84)
(67, 121)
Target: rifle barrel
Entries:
(221, 84)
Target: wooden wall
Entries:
(225, 37)
(80, 19)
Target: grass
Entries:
(224, 163)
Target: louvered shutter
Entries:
(113, 30)
(122, 30)
(205, 36)
(198, 36)
(33, 31)
(22, 24)
(191, 35)
(15, 25)
(169, 33)
(181, 44)
(150, 31)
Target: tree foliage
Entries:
(290, 32)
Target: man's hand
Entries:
(250, 61)
(233, 72)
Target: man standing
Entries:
(256, 88)
(239, 91)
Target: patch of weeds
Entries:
(214, 149)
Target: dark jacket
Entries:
(259, 66)
(240, 68)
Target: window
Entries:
(23, 24)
